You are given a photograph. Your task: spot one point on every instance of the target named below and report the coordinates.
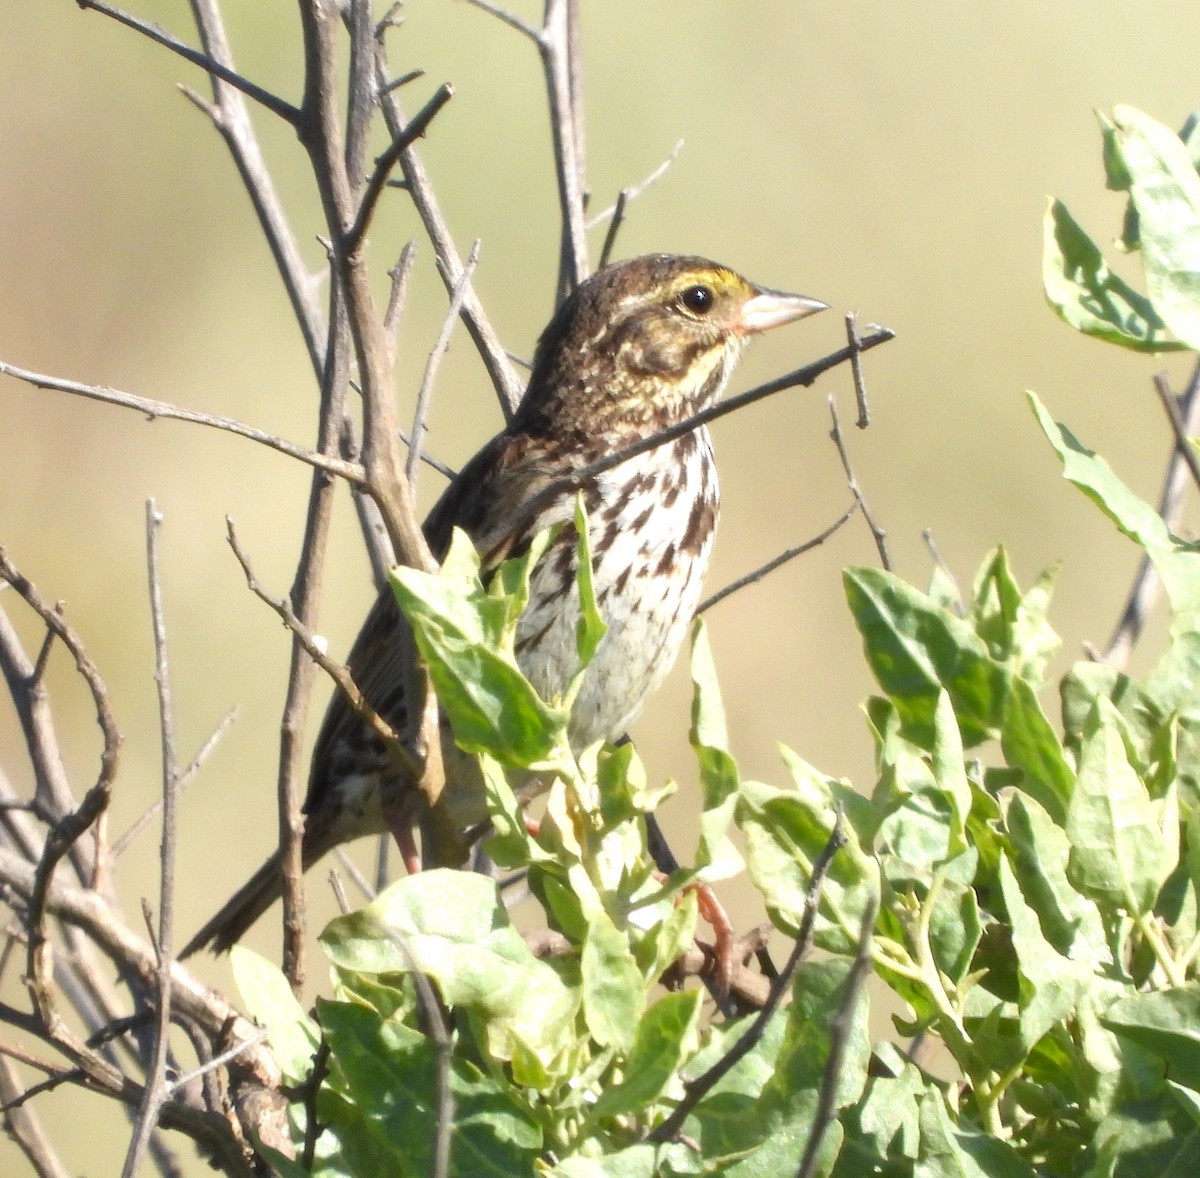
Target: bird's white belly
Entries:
(649, 559)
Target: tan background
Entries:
(891, 159)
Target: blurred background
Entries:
(893, 160)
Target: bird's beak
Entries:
(773, 308)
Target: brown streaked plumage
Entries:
(640, 346)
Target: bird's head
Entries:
(646, 343)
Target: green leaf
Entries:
(1158, 1140)
(666, 1036)
(1088, 296)
(464, 635)
(1174, 684)
(453, 926)
(1165, 1022)
(637, 1161)
(950, 772)
(1050, 984)
(1118, 854)
(716, 856)
(951, 1149)
(269, 998)
(1014, 625)
(390, 1069)
(614, 994)
(785, 834)
(1040, 851)
(818, 996)
(1177, 562)
(889, 1113)
(1029, 744)
(590, 628)
(916, 649)
(955, 928)
(1165, 190)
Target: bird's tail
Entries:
(246, 905)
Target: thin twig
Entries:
(1182, 443)
(351, 869)
(25, 1129)
(272, 102)
(558, 43)
(230, 116)
(360, 101)
(401, 142)
(168, 412)
(505, 380)
(839, 1035)
(399, 274)
(617, 211)
(218, 1061)
(440, 346)
(636, 190)
(946, 571)
(509, 18)
(370, 520)
(696, 1089)
(193, 767)
(860, 386)
(757, 574)
(434, 1025)
(877, 532)
(335, 670)
(1183, 413)
(156, 1078)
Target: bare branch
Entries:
(401, 142)
(156, 1091)
(509, 18)
(757, 574)
(231, 118)
(335, 670)
(25, 1129)
(860, 386)
(507, 383)
(399, 274)
(947, 572)
(193, 767)
(617, 211)
(327, 463)
(440, 345)
(157, 33)
(636, 190)
(839, 1034)
(877, 532)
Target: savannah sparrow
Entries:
(636, 348)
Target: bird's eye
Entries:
(698, 299)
